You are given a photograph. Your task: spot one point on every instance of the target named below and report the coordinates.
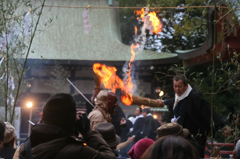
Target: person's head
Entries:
(108, 133)
(171, 147)
(146, 111)
(180, 84)
(172, 129)
(107, 100)
(138, 111)
(60, 110)
(139, 148)
(10, 136)
(2, 131)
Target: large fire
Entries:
(107, 74)
(110, 80)
(153, 18)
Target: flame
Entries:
(110, 80)
(155, 22)
(141, 13)
(127, 100)
(135, 30)
(153, 17)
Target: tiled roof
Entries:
(65, 39)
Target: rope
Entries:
(125, 8)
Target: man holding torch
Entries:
(189, 109)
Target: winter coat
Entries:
(96, 117)
(47, 146)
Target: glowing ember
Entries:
(135, 30)
(153, 18)
(127, 100)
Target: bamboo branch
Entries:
(6, 88)
(213, 70)
(29, 47)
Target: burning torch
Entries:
(107, 75)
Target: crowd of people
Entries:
(105, 132)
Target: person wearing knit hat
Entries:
(9, 142)
(2, 130)
(104, 108)
(60, 110)
(55, 137)
(139, 148)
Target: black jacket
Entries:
(116, 119)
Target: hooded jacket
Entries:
(54, 144)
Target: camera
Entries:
(83, 124)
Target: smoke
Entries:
(125, 70)
(141, 40)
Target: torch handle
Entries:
(97, 81)
(137, 100)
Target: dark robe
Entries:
(150, 128)
(116, 119)
(125, 130)
(137, 129)
(195, 115)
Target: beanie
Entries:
(139, 148)
(60, 110)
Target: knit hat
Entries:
(172, 129)
(60, 110)
(9, 132)
(108, 133)
(139, 148)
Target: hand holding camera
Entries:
(83, 123)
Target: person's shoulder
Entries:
(139, 119)
(95, 114)
(197, 97)
(195, 93)
(149, 117)
(76, 139)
